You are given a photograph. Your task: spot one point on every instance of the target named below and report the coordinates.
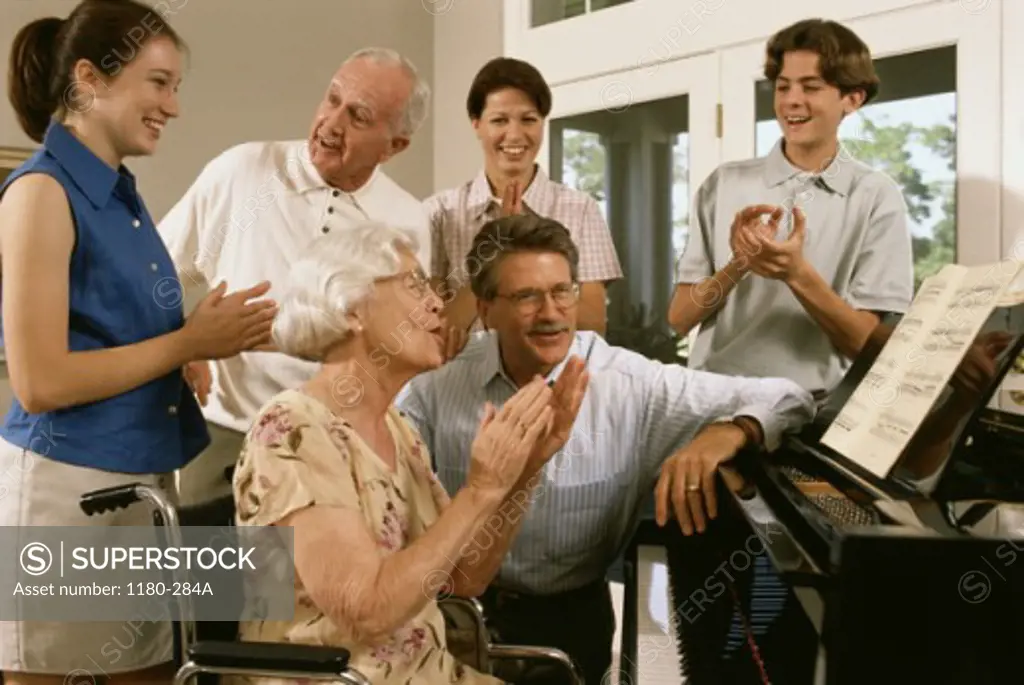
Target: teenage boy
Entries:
(793, 257)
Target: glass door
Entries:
(640, 142)
(934, 126)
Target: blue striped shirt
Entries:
(636, 413)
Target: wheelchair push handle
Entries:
(110, 499)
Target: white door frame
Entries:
(1013, 133)
(696, 77)
(979, 148)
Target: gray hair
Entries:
(333, 274)
(415, 111)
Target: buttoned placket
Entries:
(137, 223)
(172, 410)
(329, 210)
(332, 208)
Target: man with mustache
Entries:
(643, 425)
(256, 206)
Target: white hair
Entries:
(415, 111)
(334, 273)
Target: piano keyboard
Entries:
(657, 650)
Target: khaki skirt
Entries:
(39, 491)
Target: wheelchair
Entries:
(208, 649)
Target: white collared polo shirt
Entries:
(246, 219)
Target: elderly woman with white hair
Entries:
(376, 536)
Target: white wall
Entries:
(466, 35)
(639, 33)
(258, 68)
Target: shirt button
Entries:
(153, 266)
(325, 229)
(330, 210)
(172, 410)
(336, 193)
(136, 223)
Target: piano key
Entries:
(658, 650)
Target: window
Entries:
(635, 163)
(909, 132)
(549, 11)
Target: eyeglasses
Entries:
(414, 280)
(531, 300)
(417, 282)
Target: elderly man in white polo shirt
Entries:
(257, 205)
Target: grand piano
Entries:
(820, 571)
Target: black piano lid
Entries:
(983, 461)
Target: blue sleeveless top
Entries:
(123, 289)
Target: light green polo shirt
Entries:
(857, 238)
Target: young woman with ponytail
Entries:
(93, 328)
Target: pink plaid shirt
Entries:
(457, 214)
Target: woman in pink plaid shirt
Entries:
(507, 105)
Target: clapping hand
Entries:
(512, 200)
(222, 324)
(748, 226)
(768, 257)
(455, 339)
(508, 437)
(197, 376)
(566, 399)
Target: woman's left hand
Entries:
(199, 379)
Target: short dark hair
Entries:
(845, 59)
(44, 53)
(507, 72)
(511, 234)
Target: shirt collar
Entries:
(481, 199)
(307, 178)
(91, 174)
(491, 367)
(837, 176)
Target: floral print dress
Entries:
(297, 454)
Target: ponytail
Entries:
(32, 87)
(45, 52)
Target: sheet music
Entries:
(913, 368)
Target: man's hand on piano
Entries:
(687, 480)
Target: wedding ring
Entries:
(692, 488)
